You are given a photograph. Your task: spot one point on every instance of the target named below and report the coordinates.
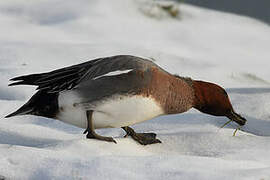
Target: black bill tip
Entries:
(237, 118)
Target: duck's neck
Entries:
(180, 95)
(174, 94)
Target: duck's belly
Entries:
(125, 110)
(114, 112)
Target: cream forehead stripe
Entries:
(114, 73)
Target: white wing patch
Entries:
(114, 73)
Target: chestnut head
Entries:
(214, 100)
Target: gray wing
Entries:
(131, 83)
(71, 77)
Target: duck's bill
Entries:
(237, 118)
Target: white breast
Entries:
(68, 112)
(115, 112)
(125, 110)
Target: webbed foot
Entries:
(142, 138)
(94, 135)
(90, 130)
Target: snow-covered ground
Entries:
(233, 51)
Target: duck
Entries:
(117, 92)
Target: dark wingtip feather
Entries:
(15, 79)
(20, 78)
(57, 80)
(26, 79)
(12, 114)
(20, 83)
(15, 83)
(25, 109)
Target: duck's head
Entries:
(214, 100)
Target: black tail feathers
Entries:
(41, 104)
(22, 111)
(26, 80)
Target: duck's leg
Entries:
(91, 134)
(142, 138)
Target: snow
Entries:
(230, 50)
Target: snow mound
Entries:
(231, 50)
